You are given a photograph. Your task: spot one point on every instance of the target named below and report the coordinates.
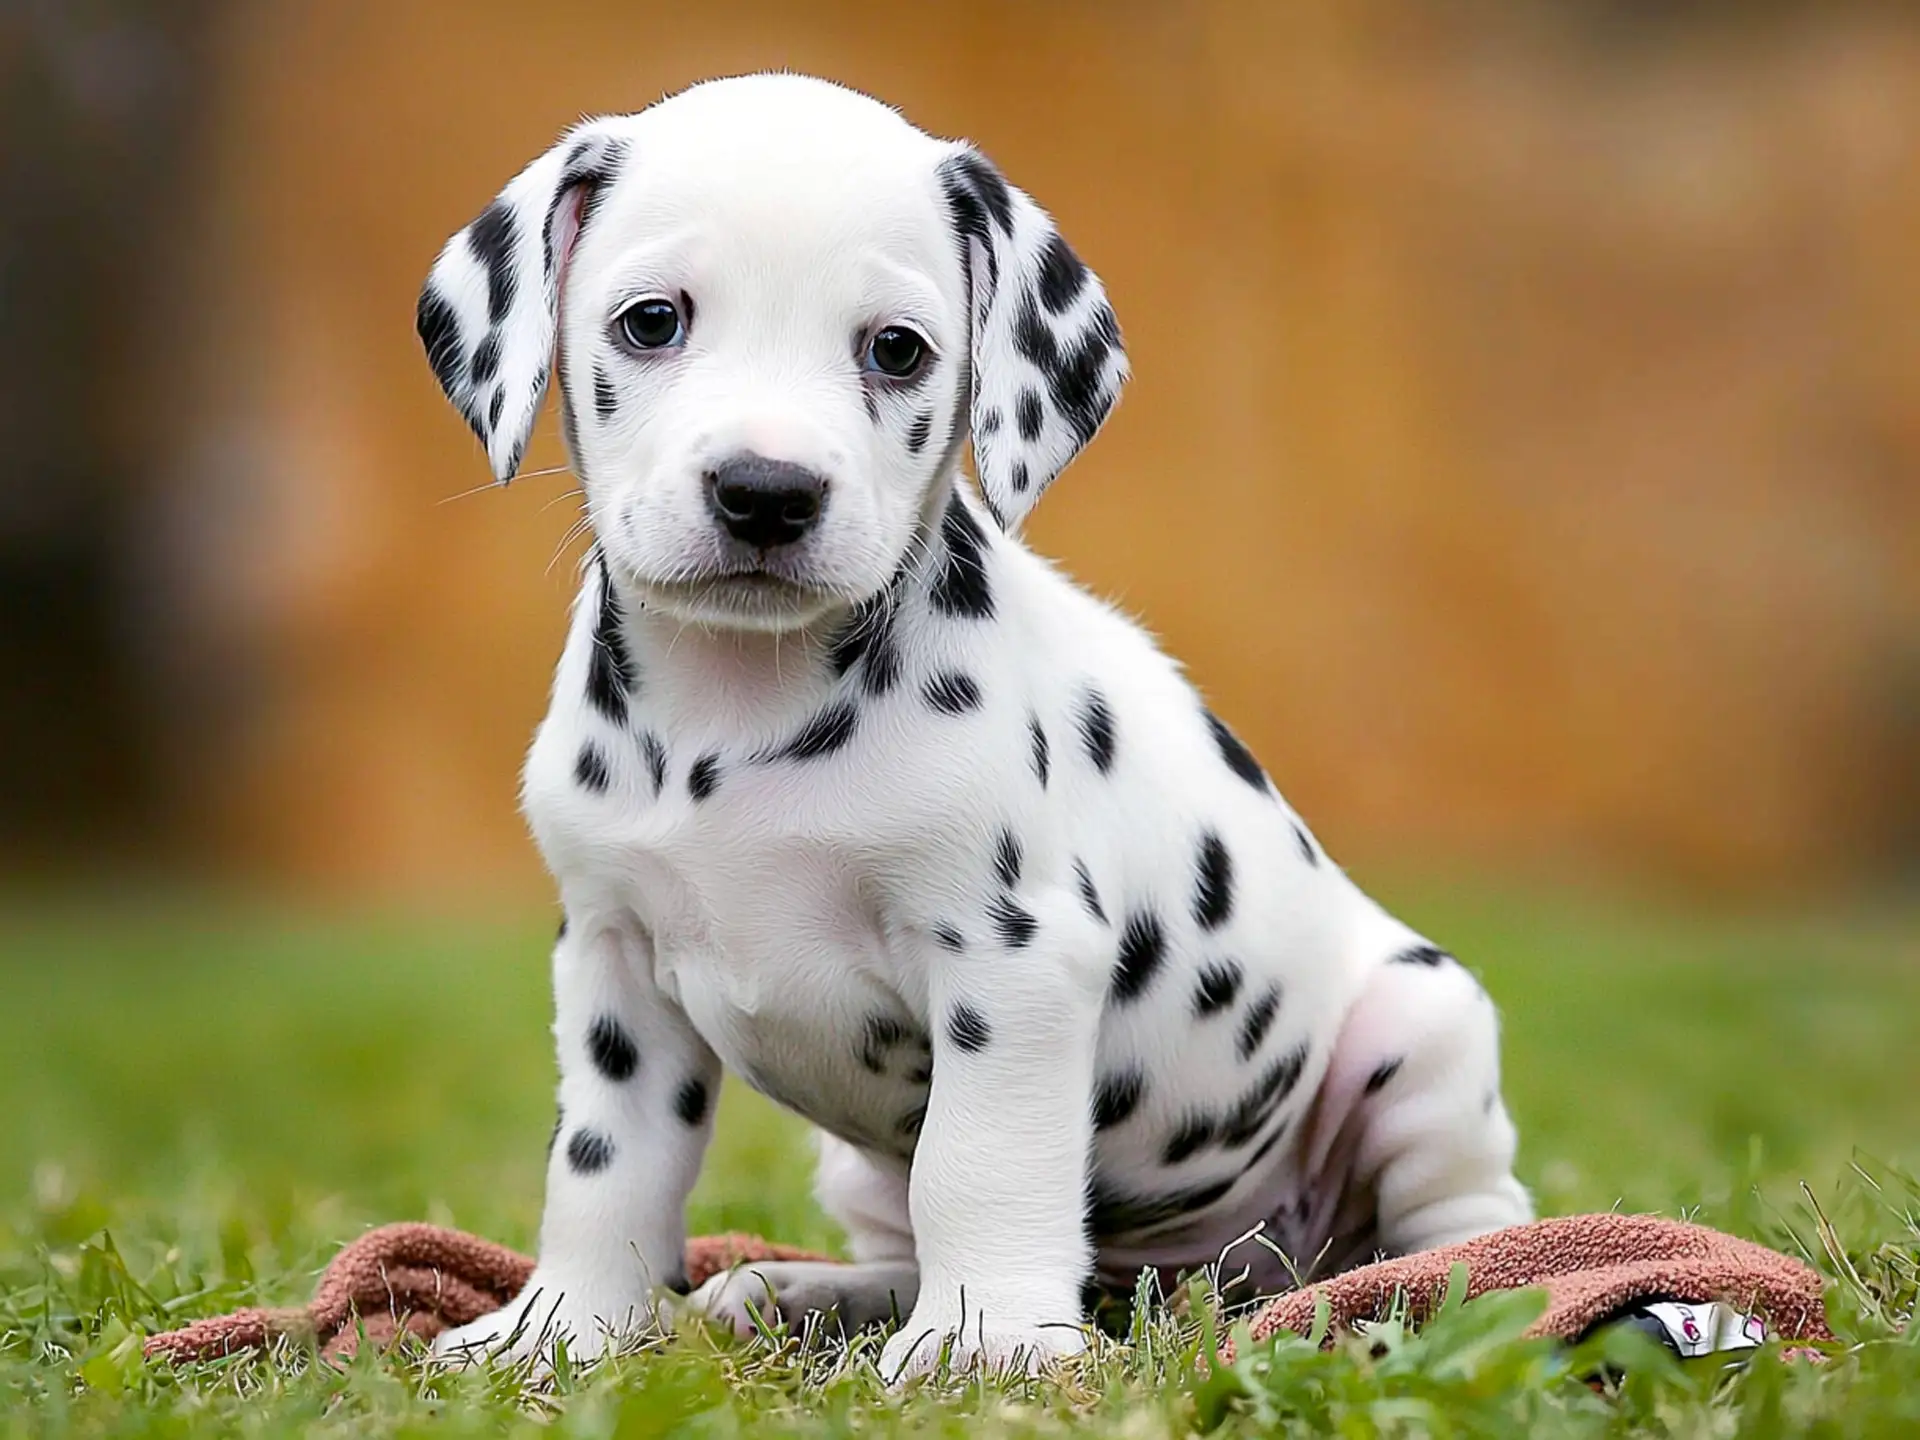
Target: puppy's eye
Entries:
(652, 324)
(896, 352)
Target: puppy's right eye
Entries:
(651, 324)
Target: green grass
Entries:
(199, 1110)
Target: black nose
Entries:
(765, 502)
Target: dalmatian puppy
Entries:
(848, 792)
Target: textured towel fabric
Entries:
(425, 1279)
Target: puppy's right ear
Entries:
(490, 307)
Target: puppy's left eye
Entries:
(651, 324)
(896, 352)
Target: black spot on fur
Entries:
(1253, 1109)
(610, 676)
(1428, 955)
(1042, 760)
(967, 1028)
(989, 422)
(1195, 1132)
(866, 639)
(1117, 1097)
(1062, 275)
(1143, 948)
(1213, 892)
(1006, 859)
(1305, 842)
(1239, 759)
(949, 938)
(611, 1049)
(1089, 896)
(690, 1101)
(494, 407)
(1265, 1147)
(1019, 476)
(1016, 926)
(1029, 414)
(880, 1035)
(486, 359)
(826, 732)
(439, 331)
(1079, 386)
(590, 769)
(1096, 730)
(1377, 1081)
(605, 398)
(589, 1152)
(960, 586)
(679, 1284)
(1218, 987)
(976, 195)
(656, 758)
(1114, 1212)
(704, 777)
(491, 240)
(1257, 1021)
(872, 404)
(952, 693)
(920, 431)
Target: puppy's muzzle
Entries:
(765, 503)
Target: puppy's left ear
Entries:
(490, 307)
(1046, 355)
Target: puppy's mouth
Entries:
(751, 597)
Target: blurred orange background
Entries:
(1523, 450)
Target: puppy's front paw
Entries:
(546, 1311)
(976, 1340)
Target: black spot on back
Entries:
(952, 692)
(611, 1048)
(589, 1152)
(919, 431)
(1117, 1097)
(1037, 735)
(1377, 1081)
(826, 732)
(1213, 890)
(1115, 1212)
(605, 398)
(967, 1028)
(1428, 955)
(1238, 757)
(1089, 896)
(491, 240)
(1006, 859)
(1194, 1132)
(1143, 947)
(704, 777)
(1062, 275)
(610, 677)
(1016, 926)
(1096, 730)
(690, 1101)
(1257, 1021)
(439, 331)
(960, 586)
(590, 769)
(1218, 987)
(1029, 414)
(1253, 1109)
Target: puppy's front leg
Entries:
(637, 1086)
(999, 1182)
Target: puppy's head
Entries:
(776, 310)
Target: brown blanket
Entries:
(423, 1279)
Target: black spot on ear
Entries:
(1062, 275)
(988, 423)
(960, 585)
(1428, 955)
(656, 757)
(690, 1101)
(1239, 759)
(611, 1049)
(589, 1152)
(976, 195)
(952, 693)
(949, 938)
(605, 398)
(439, 331)
(880, 1035)
(1096, 729)
(1377, 1081)
(1089, 896)
(1020, 477)
(1143, 947)
(1219, 986)
(491, 240)
(1037, 737)
(920, 431)
(1305, 842)
(1030, 414)
(704, 776)
(967, 1028)
(1257, 1021)
(486, 359)
(1016, 926)
(1079, 386)
(1117, 1097)
(494, 407)
(1195, 1132)
(1213, 892)
(1006, 859)
(826, 732)
(1034, 338)
(866, 638)
(590, 769)
(610, 677)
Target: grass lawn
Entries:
(200, 1105)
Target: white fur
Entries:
(830, 917)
